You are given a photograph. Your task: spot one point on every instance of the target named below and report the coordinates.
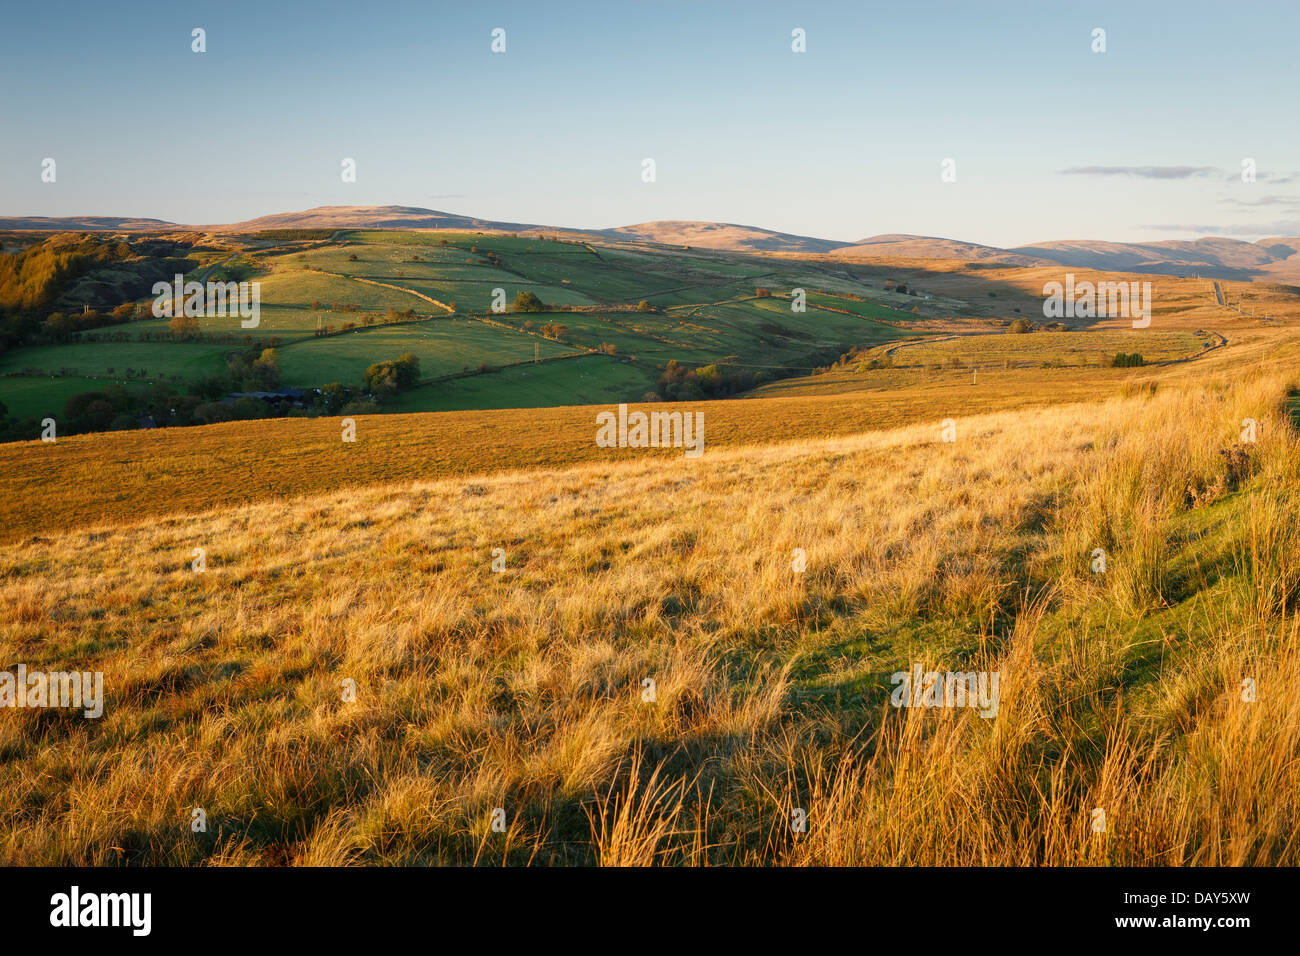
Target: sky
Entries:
(1048, 139)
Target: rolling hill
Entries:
(1274, 259)
(931, 247)
(720, 235)
(1277, 259)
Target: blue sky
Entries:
(844, 141)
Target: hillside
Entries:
(600, 321)
(366, 217)
(86, 224)
(928, 247)
(720, 235)
(349, 681)
(1275, 259)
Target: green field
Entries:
(41, 397)
(871, 310)
(149, 361)
(443, 346)
(585, 380)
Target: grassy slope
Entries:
(443, 346)
(522, 690)
(709, 314)
(117, 477)
(96, 359)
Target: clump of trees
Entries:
(35, 281)
(677, 383)
(384, 380)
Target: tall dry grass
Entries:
(524, 690)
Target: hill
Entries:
(367, 217)
(720, 235)
(660, 660)
(929, 247)
(87, 224)
(1276, 260)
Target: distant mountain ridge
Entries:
(85, 224)
(1276, 259)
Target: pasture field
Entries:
(501, 243)
(302, 288)
(443, 346)
(870, 310)
(42, 397)
(1058, 348)
(590, 379)
(524, 689)
(644, 335)
(475, 294)
(147, 360)
(767, 328)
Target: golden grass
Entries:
(109, 478)
(523, 690)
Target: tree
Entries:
(98, 414)
(408, 370)
(528, 302)
(334, 396)
(76, 405)
(267, 367)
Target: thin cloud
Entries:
(1265, 201)
(1143, 172)
(1285, 227)
(1271, 179)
